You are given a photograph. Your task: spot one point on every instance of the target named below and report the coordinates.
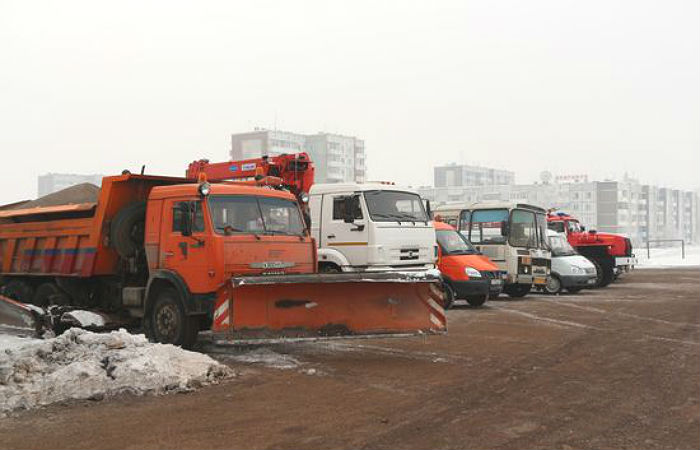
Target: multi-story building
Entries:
(52, 182)
(642, 212)
(337, 158)
(463, 175)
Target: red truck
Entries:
(610, 253)
(176, 256)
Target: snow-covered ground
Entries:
(668, 257)
(83, 365)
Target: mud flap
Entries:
(330, 305)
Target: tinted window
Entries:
(339, 207)
(391, 206)
(178, 207)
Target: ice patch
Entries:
(83, 365)
(267, 358)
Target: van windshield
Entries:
(560, 246)
(250, 214)
(453, 243)
(395, 206)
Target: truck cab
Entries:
(371, 227)
(513, 235)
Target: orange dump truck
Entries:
(176, 256)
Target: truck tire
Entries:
(169, 324)
(553, 285)
(49, 294)
(605, 272)
(517, 290)
(476, 301)
(127, 229)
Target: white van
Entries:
(570, 270)
(370, 227)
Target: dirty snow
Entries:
(266, 357)
(84, 318)
(83, 365)
(668, 257)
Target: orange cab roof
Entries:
(443, 226)
(189, 189)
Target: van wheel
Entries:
(553, 285)
(517, 290)
(127, 229)
(169, 323)
(477, 301)
(448, 296)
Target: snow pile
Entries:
(668, 257)
(83, 365)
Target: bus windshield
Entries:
(485, 226)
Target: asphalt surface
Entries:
(611, 368)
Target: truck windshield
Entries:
(560, 246)
(485, 226)
(453, 243)
(395, 206)
(250, 214)
(574, 226)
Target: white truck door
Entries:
(350, 239)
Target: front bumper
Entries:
(569, 281)
(626, 261)
(477, 287)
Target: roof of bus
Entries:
(488, 205)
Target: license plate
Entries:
(496, 281)
(540, 280)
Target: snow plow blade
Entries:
(317, 305)
(20, 316)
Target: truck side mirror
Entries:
(583, 228)
(428, 211)
(349, 209)
(186, 213)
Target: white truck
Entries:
(371, 227)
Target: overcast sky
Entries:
(599, 87)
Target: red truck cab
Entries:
(610, 253)
(467, 274)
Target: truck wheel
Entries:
(517, 290)
(127, 229)
(49, 294)
(553, 285)
(169, 323)
(605, 273)
(328, 268)
(477, 301)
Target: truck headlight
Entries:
(472, 272)
(304, 197)
(204, 189)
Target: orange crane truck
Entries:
(176, 256)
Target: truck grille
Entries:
(541, 262)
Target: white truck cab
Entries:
(371, 227)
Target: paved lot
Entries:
(612, 368)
